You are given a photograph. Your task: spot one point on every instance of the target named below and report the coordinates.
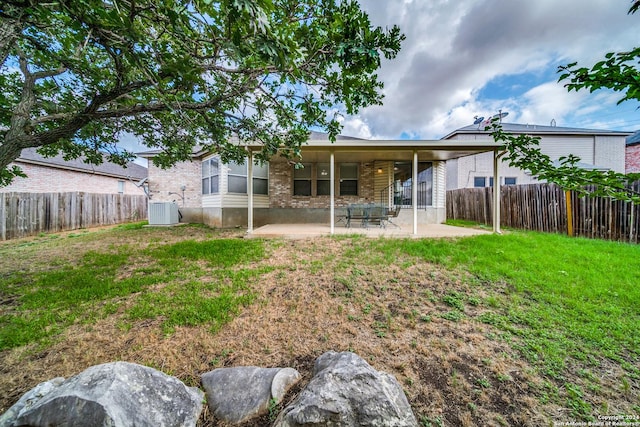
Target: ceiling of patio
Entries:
(366, 151)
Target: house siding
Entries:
(599, 150)
(609, 151)
(44, 179)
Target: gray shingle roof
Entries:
(634, 139)
(132, 170)
(539, 130)
(313, 136)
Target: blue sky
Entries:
(475, 57)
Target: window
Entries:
(121, 187)
(323, 180)
(237, 178)
(302, 180)
(210, 176)
(348, 179)
(490, 181)
(479, 181)
(509, 181)
(261, 179)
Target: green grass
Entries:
(44, 303)
(563, 298)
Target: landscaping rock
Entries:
(346, 391)
(28, 400)
(238, 394)
(116, 394)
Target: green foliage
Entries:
(180, 73)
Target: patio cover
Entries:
(415, 150)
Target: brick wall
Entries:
(632, 158)
(281, 189)
(43, 179)
(165, 181)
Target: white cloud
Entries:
(454, 49)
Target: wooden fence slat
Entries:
(543, 207)
(27, 214)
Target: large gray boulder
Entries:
(116, 394)
(29, 399)
(238, 394)
(346, 391)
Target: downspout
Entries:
(250, 194)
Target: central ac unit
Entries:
(163, 213)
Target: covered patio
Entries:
(377, 165)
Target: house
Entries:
(56, 175)
(632, 153)
(597, 149)
(334, 175)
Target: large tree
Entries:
(77, 75)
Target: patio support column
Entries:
(250, 193)
(332, 190)
(496, 192)
(414, 192)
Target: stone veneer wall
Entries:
(632, 158)
(281, 189)
(43, 179)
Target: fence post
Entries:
(567, 195)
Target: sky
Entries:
(467, 58)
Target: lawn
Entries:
(519, 329)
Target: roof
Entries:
(582, 165)
(198, 151)
(538, 130)
(634, 139)
(400, 149)
(132, 170)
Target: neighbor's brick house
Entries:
(632, 154)
(56, 175)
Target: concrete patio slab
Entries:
(302, 231)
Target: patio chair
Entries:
(393, 213)
(378, 214)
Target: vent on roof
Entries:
(163, 213)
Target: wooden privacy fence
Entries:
(543, 207)
(26, 214)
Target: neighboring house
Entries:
(364, 171)
(56, 175)
(632, 153)
(597, 149)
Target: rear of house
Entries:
(331, 177)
